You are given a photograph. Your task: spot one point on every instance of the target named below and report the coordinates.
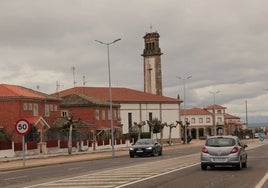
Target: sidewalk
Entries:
(44, 160)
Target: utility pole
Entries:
(184, 104)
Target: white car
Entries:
(223, 151)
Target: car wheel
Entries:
(131, 156)
(203, 167)
(160, 153)
(244, 164)
(154, 153)
(239, 165)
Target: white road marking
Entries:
(127, 175)
(263, 180)
(16, 177)
(140, 180)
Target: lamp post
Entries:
(110, 89)
(184, 106)
(214, 93)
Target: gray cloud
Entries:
(221, 43)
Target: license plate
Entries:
(139, 151)
(219, 159)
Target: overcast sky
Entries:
(222, 44)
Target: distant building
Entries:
(233, 123)
(200, 122)
(211, 120)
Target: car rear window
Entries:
(144, 142)
(220, 142)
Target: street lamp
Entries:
(110, 89)
(184, 106)
(214, 93)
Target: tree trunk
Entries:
(70, 139)
(170, 128)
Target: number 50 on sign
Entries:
(22, 126)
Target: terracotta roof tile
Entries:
(83, 100)
(215, 106)
(119, 94)
(13, 91)
(229, 116)
(195, 111)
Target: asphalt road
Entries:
(177, 168)
(194, 177)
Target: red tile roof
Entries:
(13, 91)
(215, 106)
(195, 111)
(119, 94)
(16, 91)
(229, 116)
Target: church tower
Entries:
(152, 64)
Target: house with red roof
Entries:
(200, 122)
(17, 102)
(135, 106)
(211, 120)
(232, 123)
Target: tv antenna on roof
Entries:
(73, 68)
(84, 81)
(58, 85)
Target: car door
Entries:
(157, 147)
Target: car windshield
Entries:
(144, 142)
(220, 142)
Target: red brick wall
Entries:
(87, 114)
(13, 110)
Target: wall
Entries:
(169, 113)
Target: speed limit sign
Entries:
(22, 126)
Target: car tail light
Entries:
(204, 149)
(235, 149)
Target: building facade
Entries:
(92, 113)
(211, 120)
(17, 102)
(136, 106)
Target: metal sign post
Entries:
(22, 127)
(23, 150)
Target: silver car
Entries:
(223, 151)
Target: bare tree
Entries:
(153, 124)
(171, 126)
(139, 126)
(70, 123)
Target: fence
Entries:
(11, 149)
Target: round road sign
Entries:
(22, 126)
